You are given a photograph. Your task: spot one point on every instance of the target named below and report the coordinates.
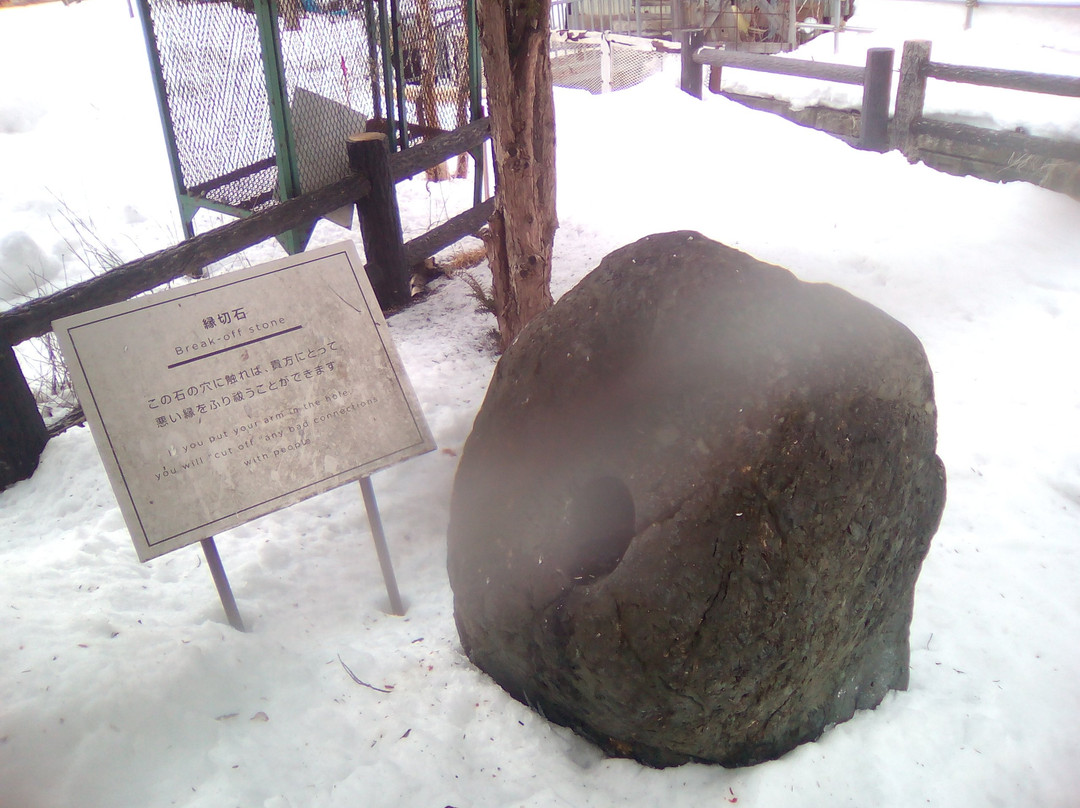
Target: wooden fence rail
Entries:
(909, 122)
(370, 187)
(876, 130)
(1017, 142)
(411, 161)
(34, 318)
(1007, 79)
(875, 78)
(718, 58)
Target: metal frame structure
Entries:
(379, 20)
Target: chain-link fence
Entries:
(605, 62)
(435, 69)
(218, 110)
(330, 63)
(258, 98)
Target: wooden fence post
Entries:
(380, 221)
(877, 89)
(678, 17)
(716, 78)
(910, 96)
(22, 432)
(690, 81)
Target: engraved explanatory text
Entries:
(219, 402)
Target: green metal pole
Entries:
(388, 74)
(266, 14)
(373, 58)
(475, 89)
(399, 73)
(158, 76)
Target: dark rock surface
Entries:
(690, 516)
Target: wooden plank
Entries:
(405, 164)
(997, 139)
(73, 418)
(1046, 83)
(34, 318)
(825, 71)
(464, 224)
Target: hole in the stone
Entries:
(601, 527)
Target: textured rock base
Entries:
(690, 516)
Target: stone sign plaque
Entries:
(230, 398)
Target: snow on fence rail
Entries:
(370, 187)
(876, 130)
(909, 123)
(875, 78)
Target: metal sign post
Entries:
(381, 547)
(231, 398)
(213, 560)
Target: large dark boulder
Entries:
(691, 513)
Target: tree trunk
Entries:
(514, 42)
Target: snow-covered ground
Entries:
(123, 685)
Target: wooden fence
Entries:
(875, 78)
(907, 125)
(370, 186)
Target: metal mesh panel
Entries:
(435, 64)
(333, 82)
(630, 66)
(330, 70)
(216, 94)
(603, 62)
(576, 64)
(333, 49)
